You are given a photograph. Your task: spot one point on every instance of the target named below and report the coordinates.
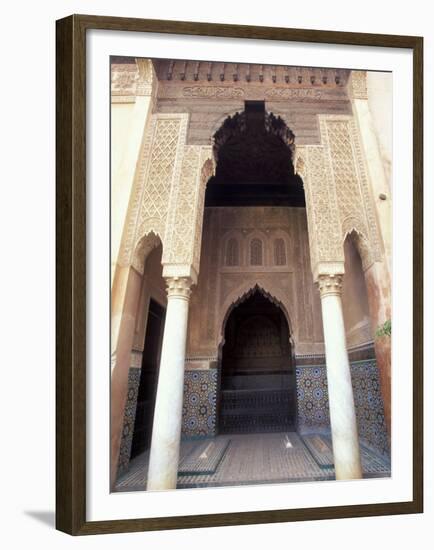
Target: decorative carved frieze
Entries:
(293, 93)
(357, 85)
(146, 77)
(217, 92)
(220, 72)
(123, 79)
(129, 80)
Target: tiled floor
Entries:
(251, 459)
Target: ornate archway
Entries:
(240, 294)
(254, 150)
(257, 379)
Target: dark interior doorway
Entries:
(254, 153)
(148, 379)
(257, 376)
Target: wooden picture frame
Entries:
(71, 273)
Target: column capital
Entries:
(330, 284)
(179, 287)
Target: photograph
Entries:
(251, 274)
(217, 243)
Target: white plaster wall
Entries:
(380, 85)
(121, 114)
(129, 122)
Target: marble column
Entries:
(341, 401)
(166, 433)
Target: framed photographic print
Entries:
(239, 275)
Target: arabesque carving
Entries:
(129, 80)
(338, 199)
(322, 210)
(146, 77)
(340, 133)
(144, 246)
(184, 223)
(157, 169)
(358, 85)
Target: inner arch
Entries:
(257, 376)
(254, 150)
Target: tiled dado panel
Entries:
(200, 397)
(129, 419)
(369, 405)
(312, 398)
(313, 406)
(199, 406)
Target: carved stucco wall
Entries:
(168, 192)
(338, 195)
(168, 195)
(213, 91)
(220, 285)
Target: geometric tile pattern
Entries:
(312, 398)
(369, 405)
(199, 405)
(200, 396)
(129, 419)
(252, 459)
(313, 407)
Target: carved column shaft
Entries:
(341, 401)
(166, 433)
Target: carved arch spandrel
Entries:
(217, 124)
(244, 291)
(143, 248)
(207, 170)
(361, 243)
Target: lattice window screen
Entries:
(279, 252)
(232, 252)
(256, 252)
